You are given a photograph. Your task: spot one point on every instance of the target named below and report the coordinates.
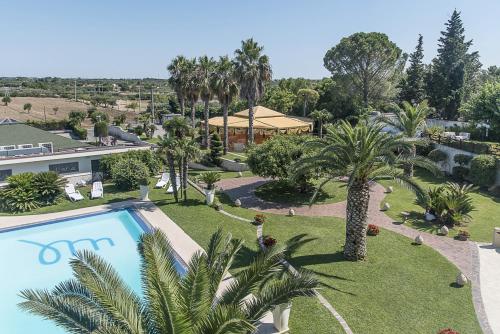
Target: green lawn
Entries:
(224, 174)
(281, 192)
(399, 287)
(480, 228)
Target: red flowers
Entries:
(372, 229)
(269, 242)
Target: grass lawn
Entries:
(480, 228)
(281, 192)
(224, 174)
(399, 287)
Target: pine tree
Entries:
(413, 86)
(454, 70)
(216, 148)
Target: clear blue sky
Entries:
(123, 39)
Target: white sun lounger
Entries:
(170, 189)
(73, 195)
(97, 190)
(162, 181)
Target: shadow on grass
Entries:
(283, 193)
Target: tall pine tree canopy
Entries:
(454, 70)
(413, 85)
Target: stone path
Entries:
(463, 254)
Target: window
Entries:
(65, 168)
(48, 146)
(25, 146)
(8, 147)
(5, 173)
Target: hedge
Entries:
(437, 155)
(483, 170)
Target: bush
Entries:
(437, 155)
(483, 170)
(128, 173)
(99, 116)
(372, 230)
(101, 129)
(19, 195)
(79, 132)
(147, 157)
(462, 159)
(460, 173)
(216, 149)
(76, 118)
(48, 186)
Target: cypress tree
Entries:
(413, 86)
(216, 148)
(454, 70)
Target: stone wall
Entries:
(119, 133)
(234, 166)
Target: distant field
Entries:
(15, 109)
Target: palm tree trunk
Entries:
(304, 108)
(171, 168)
(180, 167)
(181, 105)
(185, 177)
(192, 114)
(320, 128)
(408, 167)
(250, 123)
(226, 134)
(358, 197)
(206, 114)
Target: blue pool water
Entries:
(38, 257)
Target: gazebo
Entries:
(266, 123)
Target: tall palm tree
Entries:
(225, 88)
(178, 78)
(363, 153)
(167, 147)
(206, 67)
(193, 87)
(410, 120)
(187, 151)
(252, 70)
(97, 300)
(321, 116)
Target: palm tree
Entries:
(177, 127)
(225, 88)
(167, 147)
(320, 116)
(193, 87)
(252, 70)
(363, 153)
(177, 80)
(187, 150)
(410, 121)
(307, 96)
(97, 300)
(206, 67)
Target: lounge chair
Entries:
(97, 190)
(73, 195)
(162, 181)
(170, 189)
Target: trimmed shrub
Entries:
(48, 186)
(462, 159)
(147, 157)
(216, 149)
(483, 169)
(101, 129)
(460, 173)
(437, 155)
(127, 174)
(19, 195)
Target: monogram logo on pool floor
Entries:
(50, 254)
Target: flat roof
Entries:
(18, 133)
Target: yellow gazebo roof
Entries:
(259, 112)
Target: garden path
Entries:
(464, 254)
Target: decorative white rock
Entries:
(444, 230)
(237, 202)
(291, 212)
(461, 279)
(419, 240)
(386, 206)
(389, 189)
(429, 216)
(240, 174)
(281, 314)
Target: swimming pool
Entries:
(37, 256)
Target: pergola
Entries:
(266, 123)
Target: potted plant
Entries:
(281, 314)
(210, 178)
(463, 235)
(144, 189)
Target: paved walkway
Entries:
(489, 273)
(463, 254)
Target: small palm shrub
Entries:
(127, 174)
(48, 186)
(483, 169)
(437, 155)
(19, 195)
(450, 203)
(210, 179)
